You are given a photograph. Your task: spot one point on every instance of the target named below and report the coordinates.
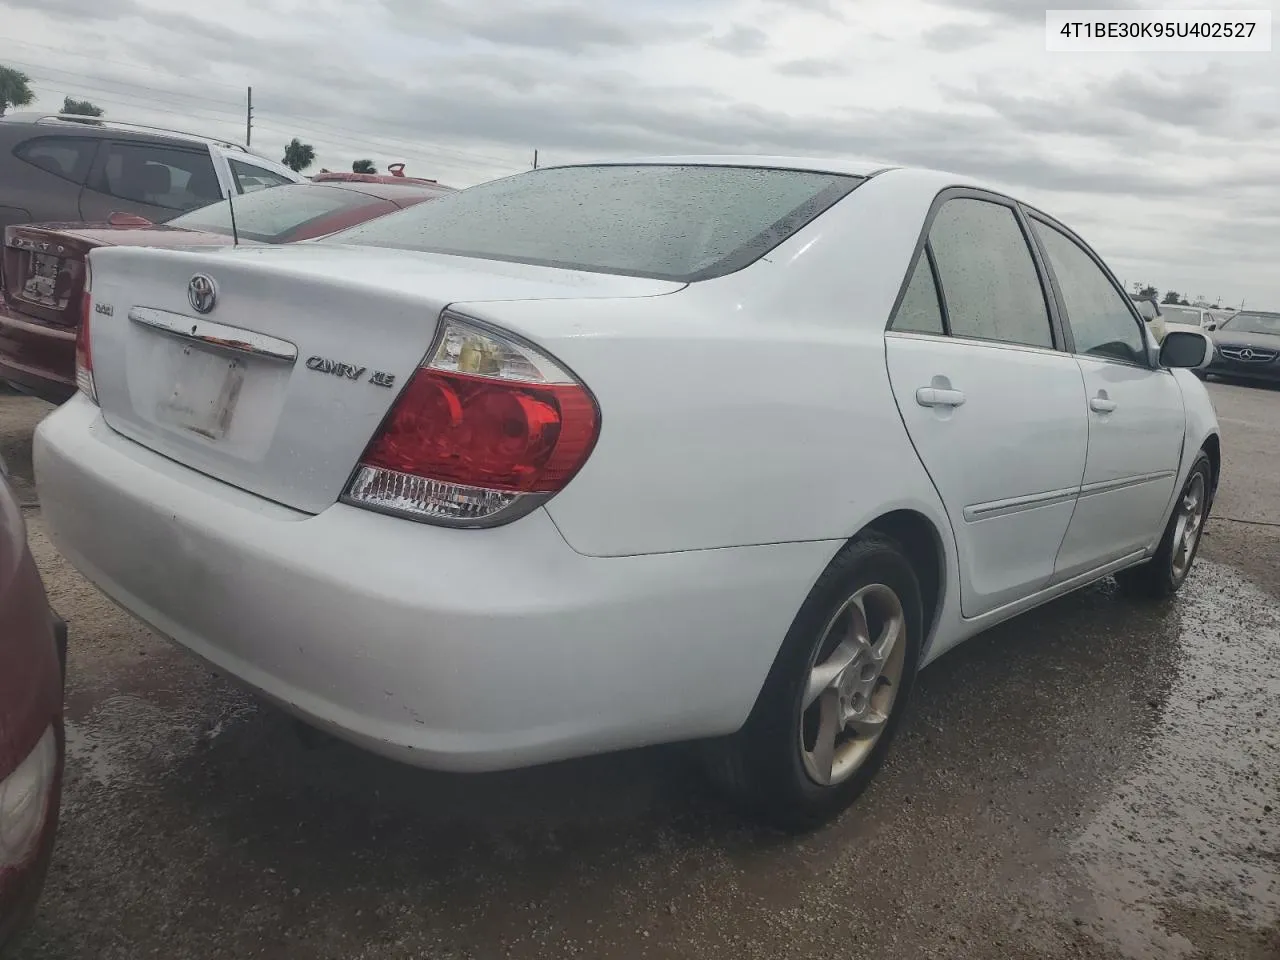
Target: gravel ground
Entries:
(1097, 779)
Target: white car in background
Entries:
(1178, 317)
(609, 455)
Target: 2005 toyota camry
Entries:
(598, 456)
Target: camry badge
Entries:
(350, 371)
(202, 293)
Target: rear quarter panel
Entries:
(751, 409)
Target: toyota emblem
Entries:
(202, 293)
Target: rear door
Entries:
(44, 178)
(994, 406)
(1134, 408)
(157, 181)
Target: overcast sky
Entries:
(1166, 163)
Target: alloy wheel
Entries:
(1190, 524)
(853, 682)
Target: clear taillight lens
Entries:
(487, 429)
(84, 355)
(24, 801)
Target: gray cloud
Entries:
(948, 37)
(80, 10)
(1022, 11)
(814, 67)
(559, 26)
(1129, 109)
(830, 8)
(1189, 101)
(747, 41)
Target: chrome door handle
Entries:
(939, 397)
(1101, 405)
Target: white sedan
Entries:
(717, 449)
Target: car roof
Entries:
(117, 130)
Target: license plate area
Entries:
(46, 281)
(202, 396)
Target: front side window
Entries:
(66, 157)
(276, 215)
(250, 177)
(1101, 321)
(160, 176)
(988, 277)
(669, 222)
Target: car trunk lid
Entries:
(280, 385)
(43, 273)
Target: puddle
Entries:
(1195, 828)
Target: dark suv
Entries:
(63, 169)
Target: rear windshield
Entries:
(275, 214)
(669, 222)
(1180, 314)
(1253, 323)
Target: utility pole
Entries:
(535, 159)
(248, 120)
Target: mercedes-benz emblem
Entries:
(202, 293)
(1246, 354)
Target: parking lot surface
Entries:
(1100, 778)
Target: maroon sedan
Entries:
(43, 266)
(32, 662)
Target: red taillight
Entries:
(484, 431)
(84, 355)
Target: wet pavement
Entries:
(1100, 778)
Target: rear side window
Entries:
(160, 176)
(666, 221)
(987, 275)
(1102, 324)
(250, 177)
(66, 157)
(920, 311)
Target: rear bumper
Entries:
(36, 357)
(453, 649)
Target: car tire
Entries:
(1167, 570)
(774, 766)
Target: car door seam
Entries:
(1088, 439)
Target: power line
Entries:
(364, 144)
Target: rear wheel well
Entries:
(919, 538)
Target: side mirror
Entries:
(1211, 325)
(1185, 349)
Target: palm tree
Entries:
(363, 166)
(298, 155)
(15, 89)
(81, 108)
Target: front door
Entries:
(994, 409)
(1135, 413)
